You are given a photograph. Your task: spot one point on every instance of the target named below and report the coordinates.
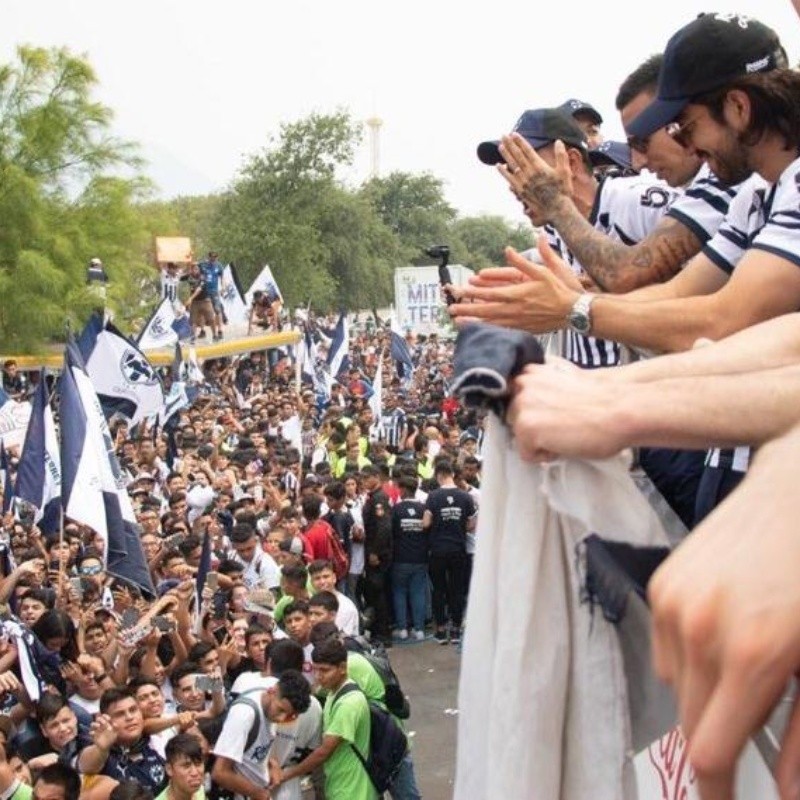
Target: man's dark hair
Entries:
(643, 79)
(408, 484)
(184, 744)
(296, 575)
(87, 554)
(296, 607)
(114, 695)
(130, 790)
(142, 680)
(229, 567)
(444, 468)
(65, 777)
(326, 600)
(190, 543)
(49, 706)
(179, 673)
(253, 629)
(242, 532)
(311, 505)
(283, 655)
(318, 565)
(335, 490)
(41, 595)
(774, 105)
(329, 651)
(293, 687)
(322, 631)
(199, 651)
(96, 624)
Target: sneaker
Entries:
(418, 636)
(441, 637)
(202, 334)
(455, 636)
(402, 634)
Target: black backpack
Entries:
(387, 744)
(393, 697)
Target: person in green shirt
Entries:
(345, 724)
(185, 769)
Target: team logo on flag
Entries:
(157, 328)
(136, 369)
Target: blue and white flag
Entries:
(5, 478)
(264, 282)
(39, 472)
(401, 354)
(93, 485)
(338, 360)
(165, 327)
(231, 296)
(123, 378)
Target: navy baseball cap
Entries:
(611, 154)
(541, 127)
(574, 106)
(705, 55)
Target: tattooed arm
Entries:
(617, 267)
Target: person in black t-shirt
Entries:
(449, 514)
(409, 560)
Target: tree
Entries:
(414, 208)
(57, 205)
(480, 241)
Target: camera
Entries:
(440, 251)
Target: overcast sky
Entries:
(200, 84)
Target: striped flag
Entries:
(338, 360)
(39, 472)
(93, 485)
(125, 381)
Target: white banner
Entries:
(14, 418)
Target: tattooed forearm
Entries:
(621, 268)
(542, 194)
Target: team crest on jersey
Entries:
(450, 500)
(655, 197)
(411, 512)
(260, 753)
(136, 369)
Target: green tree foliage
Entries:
(479, 242)
(326, 245)
(57, 204)
(414, 208)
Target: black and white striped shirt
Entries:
(626, 210)
(392, 425)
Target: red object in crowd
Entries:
(316, 541)
(450, 406)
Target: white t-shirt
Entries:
(261, 572)
(305, 733)
(247, 681)
(92, 706)
(249, 762)
(347, 620)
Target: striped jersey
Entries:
(626, 210)
(392, 424)
(702, 206)
(762, 217)
(169, 284)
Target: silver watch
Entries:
(580, 316)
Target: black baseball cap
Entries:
(574, 106)
(705, 55)
(611, 154)
(541, 127)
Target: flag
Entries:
(125, 381)
(204, 567)
(264, 282)
(5, 478)
(401, 354)
(231, 297)
(192, 368)
(338, 360)
(30, 654)
(39, 472)
(14, 419)
(93, 485)
(376, 399)
(165, 327)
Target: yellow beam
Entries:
(54, 359)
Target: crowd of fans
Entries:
(325, 549)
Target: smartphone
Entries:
(220, 602)
(207, 684)
(163, 624)
(77, 586)
(212, 581)
(130, 616)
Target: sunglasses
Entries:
(95, 570)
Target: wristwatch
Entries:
(580, 315)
